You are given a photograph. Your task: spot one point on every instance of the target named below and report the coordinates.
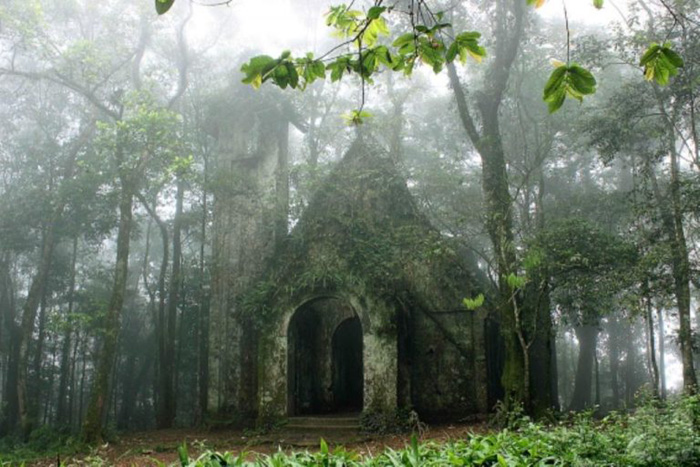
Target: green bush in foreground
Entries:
(654, 435)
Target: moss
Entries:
(361, 233)
(400, 420)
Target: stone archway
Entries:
(324, 358)
(347, 366)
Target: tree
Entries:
(588, 270)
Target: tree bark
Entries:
(163, 375)
(169, 405)
(510, 24)
(651, 346)
(587, 336)
(662, 353)
(62, 409)
(613, 336)
(29, 312)
(96, 412)
(203, 321)
(10, 409)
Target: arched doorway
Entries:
(347, 366)
(324, 359)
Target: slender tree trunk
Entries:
(9, 407)
(651, 345)
(163, 372)
(92, 427)
(614, 361)
(37, 385)
(31, 306)
(169, 406)
(672, 220)
(597, 379)
(587, 337)
(62, 409)
(681, 279)
(662, 353)
(203, 321)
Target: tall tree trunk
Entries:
(613, 332)
(510, 23)
(29, 311)
(587, 336)
(9, 408)
(37, 385)
(662, 353)
(62, 409)
(169, 401)
(681, 279)
(163, 374)
(203, 321)
(672, 220)
(651, 345)
(92, 427)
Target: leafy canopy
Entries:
(362, 32)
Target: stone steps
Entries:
(319, 424)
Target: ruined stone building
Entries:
(358, 308)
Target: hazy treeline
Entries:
(108, 169)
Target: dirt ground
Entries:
(160, 446)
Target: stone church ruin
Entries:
(357, 309)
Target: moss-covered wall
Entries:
(363, 242)
(249, 162)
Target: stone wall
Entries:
(250, 201)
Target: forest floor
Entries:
(151, 448)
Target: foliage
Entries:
(653, 436)
(660, 63)
(568, 80)
(587, 267)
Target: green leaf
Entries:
(403, 39)
(514, 281)
(572, 80)
(473, 303)
(660, 63)
(598, 4)
(356, 117)
(162, 6)
(183, 455)
(375, 12)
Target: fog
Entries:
(180, 249)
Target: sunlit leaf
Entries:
(356, 117)
(537, 3)
(473, 303)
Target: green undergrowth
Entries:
(654, 435)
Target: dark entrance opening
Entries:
(324, 360)
(347, 366)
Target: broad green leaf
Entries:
(660, 63)
(572, 80)
(162, 6)
(375, 12)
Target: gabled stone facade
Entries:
(359, 308)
